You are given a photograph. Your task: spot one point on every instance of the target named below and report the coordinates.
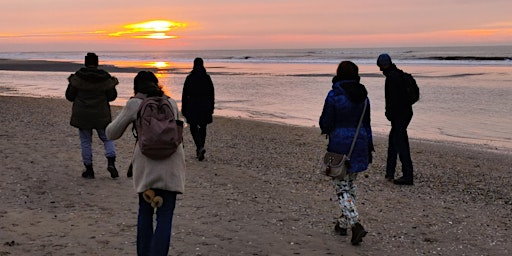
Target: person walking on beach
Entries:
(157, 181)
(340, 116)
(91, 89)
(197, 104)
(399, 113)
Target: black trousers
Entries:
(398, 146)
(198, 132)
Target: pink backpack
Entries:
(157, 130)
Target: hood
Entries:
(355, 91)
(92, 79)
(390, 69)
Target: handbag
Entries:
(337, 165)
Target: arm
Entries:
(184, 98)
(327, 118)
(128, 114)
(70, 93)
(212, 94)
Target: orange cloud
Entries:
(154, 29)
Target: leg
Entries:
(202, 140)
(403, 149)
(86, 145)
(144, 227)
(194, 131)
(392, 154)
(164, 214)
(346, 193)
(202, 134)
(110, 148)
(110, 153)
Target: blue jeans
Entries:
(155, 242)
(86, 144)
(398, 145)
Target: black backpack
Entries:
(412, 91)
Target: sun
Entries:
(153, 29)
(159, 64)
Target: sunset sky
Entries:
(61, 25)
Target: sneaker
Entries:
(339, 230)
(403, 181)
(358, 233)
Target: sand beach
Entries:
(257, 193)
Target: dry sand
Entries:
(257, 193)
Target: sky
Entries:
(99, 25)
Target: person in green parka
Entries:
(91, 90)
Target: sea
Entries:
(466, 92)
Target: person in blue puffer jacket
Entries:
(342, 110)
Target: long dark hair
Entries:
(147, 83)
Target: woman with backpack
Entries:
(157, 181)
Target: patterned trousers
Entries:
(346, 193)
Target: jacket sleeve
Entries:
(127, 115)
(70, 91)
(212, 94)
(327, 118)
(184, 97)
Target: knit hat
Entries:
(91, 59)
(384, 61)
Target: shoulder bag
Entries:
(337, 165)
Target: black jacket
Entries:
(198, 97)
(397, 105)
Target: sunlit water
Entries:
(460, 102)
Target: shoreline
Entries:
(257, 193)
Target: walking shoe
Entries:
(389, 178)
(358, 233)
(403, 181)
(339, 230)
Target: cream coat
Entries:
(167, 174)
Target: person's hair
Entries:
(347, 70)
(147, 83)
(198, 63)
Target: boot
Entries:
(89, 172)
(200, 154)
(358, 233)
(112, 167)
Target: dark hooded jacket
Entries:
(340, 115)
(198, 97)
(91, 90)
(397, 105)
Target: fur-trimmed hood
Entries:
(92, 79)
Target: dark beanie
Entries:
(347, 70)
(91, 59)
(198, 62)
(384, 61)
